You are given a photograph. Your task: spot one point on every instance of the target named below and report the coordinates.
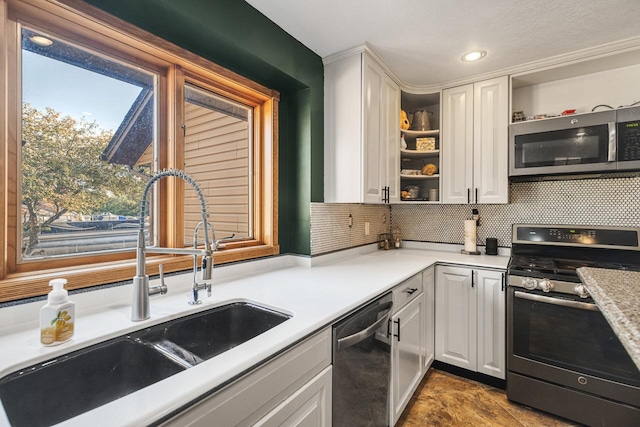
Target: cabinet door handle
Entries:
(503, 282)
(410, 291)
(388, 194)
(472, 278)
(476, 195)
(398, 323)
(388, 328)
(468, 195)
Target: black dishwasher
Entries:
(362, 366)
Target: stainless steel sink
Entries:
(61, 388)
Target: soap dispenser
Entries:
(57, 316)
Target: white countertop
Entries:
(315, 292)
(615, 292)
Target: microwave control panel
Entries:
(628, 134)
(629, 141)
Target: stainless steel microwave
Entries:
(605, 141)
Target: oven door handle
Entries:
(368, 331)
(556, 301)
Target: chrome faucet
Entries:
(141, 288)
(207, 264)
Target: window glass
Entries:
(88, 135)
(218, 155)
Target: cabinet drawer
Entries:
(407, 291)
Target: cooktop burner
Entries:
(531, 264)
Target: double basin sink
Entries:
(59, 389)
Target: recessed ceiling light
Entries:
(41, 40)
(474, 55)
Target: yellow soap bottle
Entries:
(57, 316)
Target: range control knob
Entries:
(581, 291)
(545, 285)
(530, 283)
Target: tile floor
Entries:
(444, 399)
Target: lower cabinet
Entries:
(408, 339)
(470, 319)
(309, 406)
(294, 389)
(428, 292)
(407, 349)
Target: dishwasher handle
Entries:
(354, 339)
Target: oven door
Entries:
(564, 145)
(567, 341)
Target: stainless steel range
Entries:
(563, 357)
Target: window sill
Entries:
(26, 285)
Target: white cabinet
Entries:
(474, 146)
(407, 344)
(428, 295)
(470, 319)
(456, 303)
(293, 389)
(362, 142)
(491, 323)
(309, 406)
(390, 120)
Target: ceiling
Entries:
(422, 40)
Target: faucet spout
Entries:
(140, 300)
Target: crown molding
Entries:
(630, 47)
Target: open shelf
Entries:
(433, 132)
(419, 154)
(434, 176)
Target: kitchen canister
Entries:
(491, 247)
(433, 194)
(421, 120)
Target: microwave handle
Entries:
(612, 142)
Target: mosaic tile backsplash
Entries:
(330, 229)
(605, 202)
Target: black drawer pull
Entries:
(411, 291)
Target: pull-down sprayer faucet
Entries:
(141, 289)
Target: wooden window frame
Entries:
(88, 26)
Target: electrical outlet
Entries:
(366, 228)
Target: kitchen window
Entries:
(92, 113)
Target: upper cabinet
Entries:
(475, 120)
(362, 142)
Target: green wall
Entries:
(233, 34)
